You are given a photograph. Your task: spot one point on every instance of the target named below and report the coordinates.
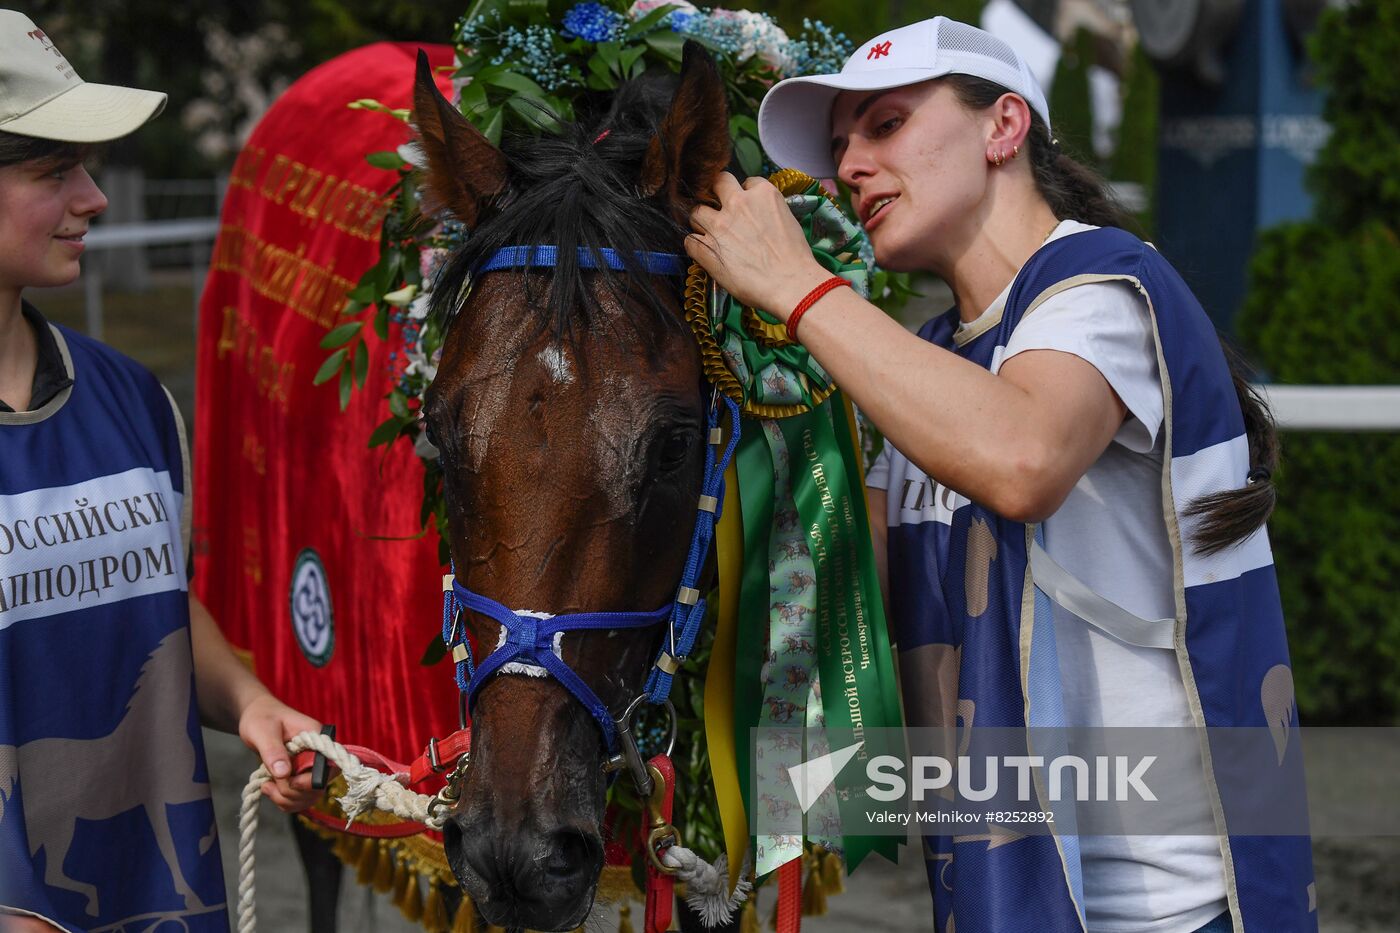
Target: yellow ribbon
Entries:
(719, 681)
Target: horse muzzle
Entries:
(541, 880)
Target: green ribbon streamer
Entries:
(854, 661)
(755, 469)
(853, 646)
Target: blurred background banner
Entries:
(309, 548)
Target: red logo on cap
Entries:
(878, 50)
(38, 36)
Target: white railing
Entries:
(1334, 408)
(198, 233)
(1295, 407)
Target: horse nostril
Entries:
(573, 853)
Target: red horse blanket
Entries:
(292, 509)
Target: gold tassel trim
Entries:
(411, 905)
(420, 859)
(368, 863)
(466, 917)
(384, 875)
(434, 911)
(833, 874)
(624, 919)
(813, 887)
(748, 920)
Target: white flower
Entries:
(419, 366)
(401, 297)
(643, 7)
(418, 309)
(758, 35)
(430, 259)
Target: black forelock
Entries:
(575, 190)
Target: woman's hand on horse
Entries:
(265, 726)
(753, 246)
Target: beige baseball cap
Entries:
(794, 120)
(41, 95)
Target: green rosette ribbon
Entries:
(809, 597)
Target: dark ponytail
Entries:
(1075, 191)
(1228, 517)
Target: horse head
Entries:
(569, 413)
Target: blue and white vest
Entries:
(975, 633)
(106, 822)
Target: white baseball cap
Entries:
(41, 95)
(794, 121)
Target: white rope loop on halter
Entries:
(367, 789)
(707, 885)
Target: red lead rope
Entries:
(661, 887)
(789, 918)
(438, 758)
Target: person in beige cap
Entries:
(1071, 498)
(105, 814)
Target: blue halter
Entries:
(529, 637)
(514, 257)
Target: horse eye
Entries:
(674, 449)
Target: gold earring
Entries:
(1015, 151)
(997, 159)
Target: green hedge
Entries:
(1071, 109)
(1324, 308)
(1135, 159)
(1357, 173)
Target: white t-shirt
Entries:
(1110, 533)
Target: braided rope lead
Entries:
(707, 885)
(366, 789)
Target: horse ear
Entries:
(464, 170)
(692, 145)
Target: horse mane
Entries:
(9, 774)
(573, 190)
(156, 667)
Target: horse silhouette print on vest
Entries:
(148, 761)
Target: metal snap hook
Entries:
(661, 835)
(451, 793)
(631, 755)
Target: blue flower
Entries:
(680, 20)
(592, 22)
(530, 51)
(820, 50)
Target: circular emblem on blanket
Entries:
(312, 618)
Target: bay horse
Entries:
(569, 411)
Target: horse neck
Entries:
(164, 683)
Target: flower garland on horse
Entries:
(801, 456)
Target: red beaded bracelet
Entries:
(812, 297)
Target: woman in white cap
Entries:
(105, 816)
(1074, 485)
